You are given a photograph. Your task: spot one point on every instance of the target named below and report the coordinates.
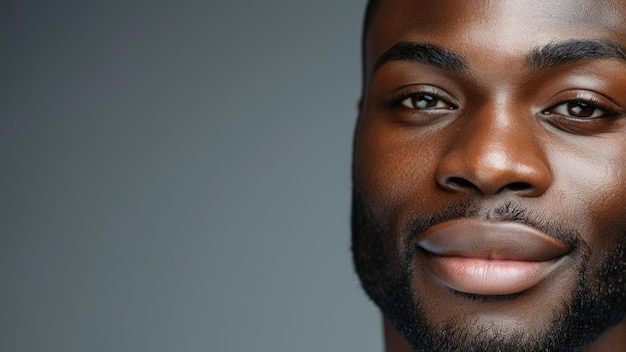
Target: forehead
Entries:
(504, 29)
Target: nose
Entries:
(494, 153)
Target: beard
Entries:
(597, 303)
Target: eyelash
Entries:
(398, 98)
(591, 101)
(561, 114)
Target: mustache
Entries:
(509, 211)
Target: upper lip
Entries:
(476, 238)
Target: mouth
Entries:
(478, 257)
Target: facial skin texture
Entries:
(503, 113)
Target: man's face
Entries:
(489, 205)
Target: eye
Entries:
(424, 101)
(578, 109)
(420, 104)
(583, 112)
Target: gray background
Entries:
(175, 176)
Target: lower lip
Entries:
(481, 276)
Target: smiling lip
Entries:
(490, 258)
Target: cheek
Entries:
(394, 169)
(592, 182)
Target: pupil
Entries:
(580, 109)
(425, 101)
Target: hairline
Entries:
(370, 9)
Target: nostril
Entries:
(518, 186)
(460, 183)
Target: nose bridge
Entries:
(491, 140)
(495, 149)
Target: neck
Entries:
(393, 341)
(613, 340)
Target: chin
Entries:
(568, 309)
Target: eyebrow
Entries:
(424, 53)
(540, 58)
(570, 51)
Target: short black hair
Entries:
(370, 9)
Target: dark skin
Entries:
(490, 126)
